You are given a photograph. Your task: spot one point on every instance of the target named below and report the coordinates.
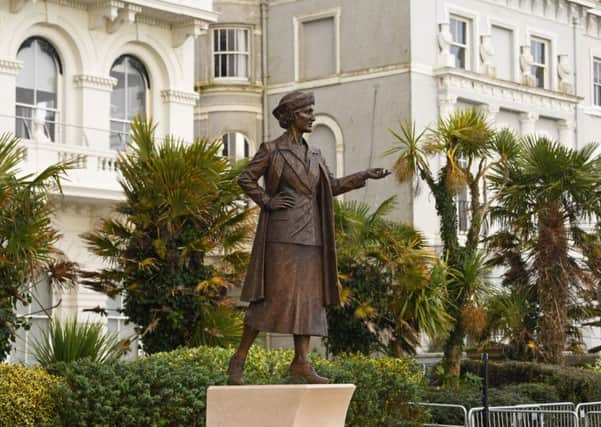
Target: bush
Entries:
(169, 389)
(572, 384)
(25, 398)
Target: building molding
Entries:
(88, 81)
(463, 84)
(10, 67)
(179, 97)
(228, 108)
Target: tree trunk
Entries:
(453, 351)
(553, 281)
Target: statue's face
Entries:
(303, 119)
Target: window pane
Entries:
(242, 61)
(538, 51)
(231, 46)
(459, 31)
(23, 122)
(539, 75)
(597, 72)
(231, 65)
(26, 77)
(136, 94)
(459, 54)
(119, 136)
(45, 99)
(223, 70)
(597, 95)
(118, 94)
(222, 40)
(45, 69)
(24, 95)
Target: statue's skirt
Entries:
(293, 302)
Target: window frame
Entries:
(233, 53)
(596, 98)
(546, 65)
(147, 95)
(467, 46)
(56, 135)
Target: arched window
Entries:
(36, 107)
(128, 98)
(235, 145)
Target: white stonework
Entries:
(88, 37)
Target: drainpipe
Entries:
(264, 11)
(575, 24)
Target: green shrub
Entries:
(572, 384)
(70, 340)
(169, 389)
(25, 398)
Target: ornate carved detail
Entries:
(179, 97)
(187, 29)
(111, 15)
(526, 61)
(487, 55)
(94, 82)
(452, 81)
(10, 67)
(564, 71)
(445, 38)
(17, 5)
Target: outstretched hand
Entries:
(282, 200)
(377, 173)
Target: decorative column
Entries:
(95, 109)
(567, 132)
(8, 82)
(179, 112)
(528, 123)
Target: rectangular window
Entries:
(502, 40)
(540, 67)
(117, 323)
(460, 46)
(230, 53)
(597, 82)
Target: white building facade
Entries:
(73, 74)
(532, 65)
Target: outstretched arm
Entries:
(355, 180)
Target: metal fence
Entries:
(557, 414)
(589, 414)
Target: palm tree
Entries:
(545, 195)
(182, 205)
(27, 237)
(468, 148)
(393, 288)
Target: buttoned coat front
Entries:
(293, 225)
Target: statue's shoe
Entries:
(235, 371)
(306, 371)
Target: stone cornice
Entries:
(11, 67)
(179, 97)
(94, 82)
(466, 84)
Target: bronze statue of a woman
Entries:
(292, 274)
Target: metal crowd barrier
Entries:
(556, 414)
(459, 410)
(523, 416)
(589, 414)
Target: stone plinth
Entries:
(278, 405)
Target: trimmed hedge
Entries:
(572, 384)
(25, 398)
(169, 389)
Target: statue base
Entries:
(278, 405)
